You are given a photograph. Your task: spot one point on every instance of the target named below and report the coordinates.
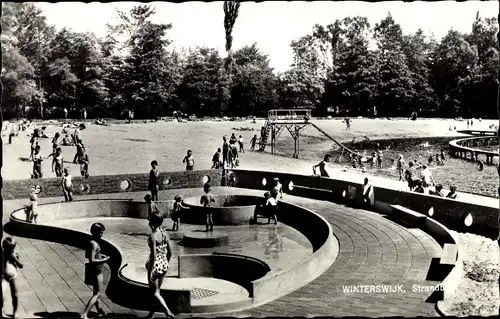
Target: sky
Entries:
(271, 24)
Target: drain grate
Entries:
(198, 293)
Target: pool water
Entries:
(281, 247)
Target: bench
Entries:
(407, 216)
(316, 193)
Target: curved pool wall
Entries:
(262, 286)
(449, 212)
(226, 210)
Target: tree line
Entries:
(348, 67)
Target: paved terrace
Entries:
(373, 250)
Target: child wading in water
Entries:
(32, 209)
(176, 212)
(153, 180)
(11, 263)
(206, 200)
(268, 210)
(189, 160)
(152, 207)
(94, 269)
(67, 185)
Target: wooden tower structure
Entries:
(294, 120)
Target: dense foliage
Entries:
(349, 67)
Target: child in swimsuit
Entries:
(55, 142)
(32, 209)
(10, 264)
(189, 160)
(216, 162)
(206, 200)
(67, 185)
(152, 207)
(153, 180)
(277, 190)
(322, 166)
(94, 269)
(58, 162)
(83, 160)
(37, 163)
(176, 212)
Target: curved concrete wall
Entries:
(449, 212)
(138, 295)
(104, 184)
(254, 277)
(94, 208)
(325, 247)
(216, 265)
(227, 210)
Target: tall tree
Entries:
(231, 10)
(151, 73)
(18, 74)
(351, 85)
(303, 84)
(396, 85)
(254, 88)
(453, 60)
(202, 76)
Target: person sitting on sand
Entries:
(322, 166)
(453, 192)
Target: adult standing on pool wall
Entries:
(322, 166)
(158, 262)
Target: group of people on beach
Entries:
(81, 157)
(424, 182)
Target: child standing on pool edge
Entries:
(206, 200)
(153, 180)
(94, 269)
(10, 265)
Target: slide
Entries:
(334, 140)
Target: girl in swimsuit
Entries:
(10, 264)
(158, 261)
(94, 269)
